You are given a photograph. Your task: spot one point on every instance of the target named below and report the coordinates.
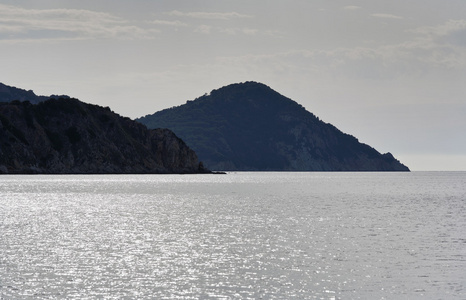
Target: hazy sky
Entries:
(392, 73)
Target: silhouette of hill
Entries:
(10, 93)
(65, 136)
(250, 127)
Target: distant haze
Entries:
(391, 73)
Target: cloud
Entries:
(34, 24)
(431, 49)
(444, 29)
(208, 15)
(207, 29)
(169, 23)
(452, 32)
(204, 29)
(418, 57)
(10, 29)
(249, 31)
(443, 44)
(386, 16)
(235, 31)
(351, 7)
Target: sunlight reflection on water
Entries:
(236, 236)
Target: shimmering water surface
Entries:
(234, 236)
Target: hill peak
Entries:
(246, 86)
(249, 90)
(249, 126)
(10, 93)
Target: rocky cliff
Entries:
(249, 126)
(66, 136)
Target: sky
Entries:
(391, 73)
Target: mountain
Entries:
(250, 127)
(67, 136)
(10, 93)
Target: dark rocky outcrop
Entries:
(67, 136)
(249, 126)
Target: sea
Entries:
(244, 235)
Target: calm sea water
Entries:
(234, 236)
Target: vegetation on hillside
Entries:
(68, 136)
(249, 126)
